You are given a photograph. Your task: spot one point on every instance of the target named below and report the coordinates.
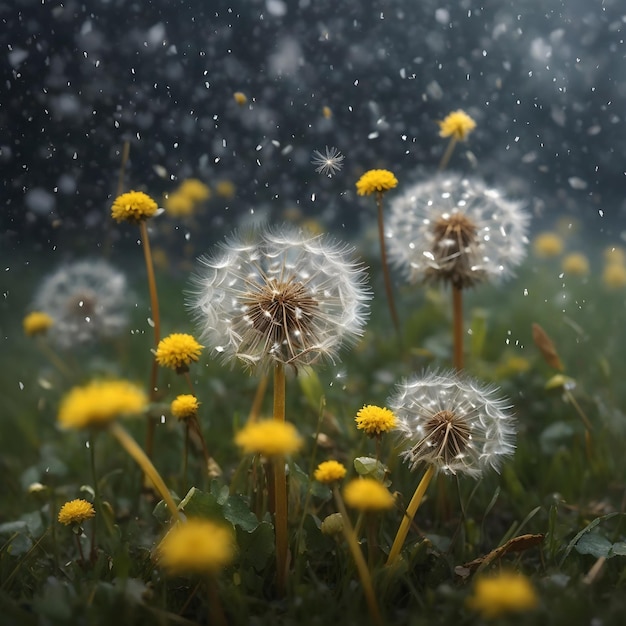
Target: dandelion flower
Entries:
(457, 125)
(575, 264)
(76, 512)
(284, 296)
(177, 351)
(225, 189)
(547, 245)
(196, 546)
(505, 593)
(88, 301)
(456, 230)
(453, 423)
(615, 254)
(332, 525)
(133, 207)
(240, 98)
(178, 205)
(100, 402)
(367, 494)
(269, 438)
(328, 163)
(194, 189)
(614, 276)
(184, 406)
(329, 472)
(374, 420)
(37, 323)
(376, 181)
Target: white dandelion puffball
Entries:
(88, 301)
(281, 295)
(453, 422)
(457, 230)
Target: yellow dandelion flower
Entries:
(367, 494)
(196, 546)
(457, 124)
(240, 98)
(329, 472)
(184, 406)
(375, 420)
(76, 512)
(548, 245)
(178, 205)
(134, 207)
(614, 276)
(36, 323)
(225, 189)
(575, 264)
(499, 595)
(269, 437)
(177, 351)
(194, 189)
(376, 181)
(327, 112)
(100, 402)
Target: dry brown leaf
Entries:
(546, 347)
(517, 544)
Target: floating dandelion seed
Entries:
(328, 163)
(453, 423)
(284, 296)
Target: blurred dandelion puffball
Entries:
(280, 296)
(453, 422)
(456, 230)
(88, 301)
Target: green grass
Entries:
(557, 485)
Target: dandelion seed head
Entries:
(280, 296)
(88, 301)
(453, 423)
(329, 162)
(456, 230)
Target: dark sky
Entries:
(545, 82)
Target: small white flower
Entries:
(456, 230)
(453, 423)
(280, 296)
(88, 301)
(328, 163)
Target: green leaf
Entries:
(594, 544)
(257, 547)
(588, 528)
(237, 512)
(618, 549)
(311, 388)
(372, 468)
(201, 504)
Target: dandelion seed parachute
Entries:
(328, 163)
(453, 423)
(457, 230)
(280, 296)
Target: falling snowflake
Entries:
(328, 163)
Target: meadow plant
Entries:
(457, 231)
(280, 298)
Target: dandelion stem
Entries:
(52, 356)
(96, 494)
(359, 559)
(185, 456)
(156, 319)
(457, 321)
(80, 548)
(216, 612)
(140, 457)
(383, 256)
(280, 486)
(445, 159)
(411, 510)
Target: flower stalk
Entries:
(280, 486)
